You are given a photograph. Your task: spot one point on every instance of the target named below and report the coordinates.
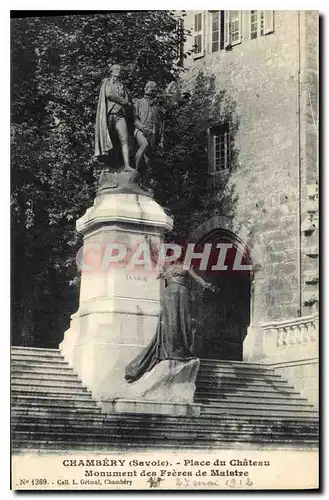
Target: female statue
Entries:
(173, 338)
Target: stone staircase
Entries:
(243, 405)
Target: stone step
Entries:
(269, 405)
(223, 362)
(41, 359)
(47, 389)
(146, 440)
(207, 423)
(36, 353)
(134, 433)
(51, 382)
(18, 398)
(217, 383)
(263, 417)
(34, 350)
(55, 447)
(221, 377)
(279, 411)
(55, 368)
(37, 371)
(245, 403)
(253, 390)
(53, 402)
(84, 412)
(137, 424)
(242, 372)
(79, 412)
(109, 434)
(205, 420)
(273, 398)
(35, 415)
(50, 404)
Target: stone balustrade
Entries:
(294, 331)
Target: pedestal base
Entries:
(150, 407)
(119, 296)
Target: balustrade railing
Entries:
(302, 330)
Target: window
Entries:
(256, 23)
(198, 34)
(215, 31)
(233, 21)
(261, 23)
(219, 148)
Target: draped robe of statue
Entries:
(107, 112)
(173, 338)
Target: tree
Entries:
(57, 66)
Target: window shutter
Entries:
(240, 27)
(198, 34)
(214, 30)
(211, 166)
(268, 21)
(180, 42)
(227, 40)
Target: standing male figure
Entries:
(148, 129)
(111, 117)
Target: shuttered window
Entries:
(198, 34)
(215, 31)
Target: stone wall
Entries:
(277, 147)
(309, 55)
(304, 375)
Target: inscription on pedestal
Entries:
(130, 277)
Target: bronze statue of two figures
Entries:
(119, 123)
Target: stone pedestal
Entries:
(151, 407)
(119, 303)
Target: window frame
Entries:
(211, 31)
(258, 23)
(228, 42)
(214, 131)
(268, 23)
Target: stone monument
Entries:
(119, 301)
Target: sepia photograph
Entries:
(164, 250)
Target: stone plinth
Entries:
(119, 302)
(151, 407)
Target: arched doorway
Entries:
(221, 318)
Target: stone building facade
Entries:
(267, 61)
